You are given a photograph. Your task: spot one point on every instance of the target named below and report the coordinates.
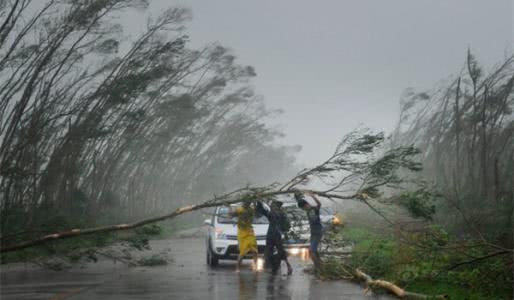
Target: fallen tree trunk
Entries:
(392, 288)
(87, 231)
(233, 197)
(241, 195)
(353, 156)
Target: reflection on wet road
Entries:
(187, 278)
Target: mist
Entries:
(128, 126)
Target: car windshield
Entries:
(295, 213)
(225, 218)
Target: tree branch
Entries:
(467, 262)
(392, 288)
(240, 195)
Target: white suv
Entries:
(222, 235)
(222, 232)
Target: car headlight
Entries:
(220, 235)
(294, 251)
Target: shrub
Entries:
(151, 261)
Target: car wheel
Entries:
(212, 258)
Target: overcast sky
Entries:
(332, 65)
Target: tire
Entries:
(212, 258)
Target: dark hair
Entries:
(301, 203)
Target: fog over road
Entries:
(188, 277)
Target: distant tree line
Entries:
(97, 128)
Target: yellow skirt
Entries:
(247, 241)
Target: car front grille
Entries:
(234, 250)
(234, 237)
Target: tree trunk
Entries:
(392, 288)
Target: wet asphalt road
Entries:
(187, 278)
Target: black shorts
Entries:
(275, 247)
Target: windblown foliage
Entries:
(95, 128)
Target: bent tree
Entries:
(465, 128)
(97, 128)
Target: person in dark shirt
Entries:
(314, 223)
(274, 244)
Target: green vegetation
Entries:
(85, 248)
(426, 261)
(72, 249)
(420, 203)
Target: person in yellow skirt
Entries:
(245, 233)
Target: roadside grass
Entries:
(66, 248)
(422, 271)
(84, 247)
(457, 292)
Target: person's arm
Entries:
(315, 199)
(261, 210)
(298, 196)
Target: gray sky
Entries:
(332, 65)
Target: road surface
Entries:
(188, 277)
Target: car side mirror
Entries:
(207, 222)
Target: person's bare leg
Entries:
(289, 267)
(283, 255)
(255, 258)
(238, 265)
(315, 240)
(317, 262)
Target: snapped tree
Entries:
(97, 128)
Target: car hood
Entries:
(231, 229)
